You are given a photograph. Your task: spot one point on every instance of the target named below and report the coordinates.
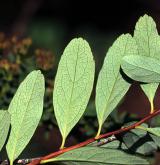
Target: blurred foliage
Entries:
(48, 34)
(17, 59)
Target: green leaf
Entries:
(4, 126)
(115, 145)
(111, 87)
(26, 110)
(84, 163)
(73, 85)
(112, 145)
(139, 142)
(156, 139)
(99, 155)
(150, 91)
(147, 37)
(154, 131)
(141, 68)
(148, 42)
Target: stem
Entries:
(99, 131)
(82, 144)
(105, 141)
(11, 162)
(62, 145)
(19, 161)
(152, 106)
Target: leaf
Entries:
(98, 155)
(111, 87)
(115, 145)
(148, 42)
(146, 37)
(112, 145)
(73, 85)
(84, 163)
(26, 110)
(154, 131)
(139, 142)
(4, 126)
(156, 139)
(150, 91)
(140, 68)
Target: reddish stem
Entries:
(82, 144)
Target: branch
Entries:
(104, 141)
(19, 161)
(27, 161)
(82, 144)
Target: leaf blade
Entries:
(4, 126)
(26, 110)
(137, 141)
(142, 68)
(99, 155)
(148, 42)
(111, 87)
(150, 91)
(154, 131)
(73, 85)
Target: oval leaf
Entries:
(147, 37)
(73, 85)
(148, 42)
(141, 68)
(26, 110)
(4, 126)
(111, 87)
(99, 155)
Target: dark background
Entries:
(53, 23)
(70, 18)
(106, 16)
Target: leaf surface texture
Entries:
(73, 84)
(26, 110)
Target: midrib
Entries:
(75, 71)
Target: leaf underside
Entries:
(99, 155)
(26, 110)
(73, 85)
(141, 68)
(4, 126)
(148, 42)
(111, 87)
